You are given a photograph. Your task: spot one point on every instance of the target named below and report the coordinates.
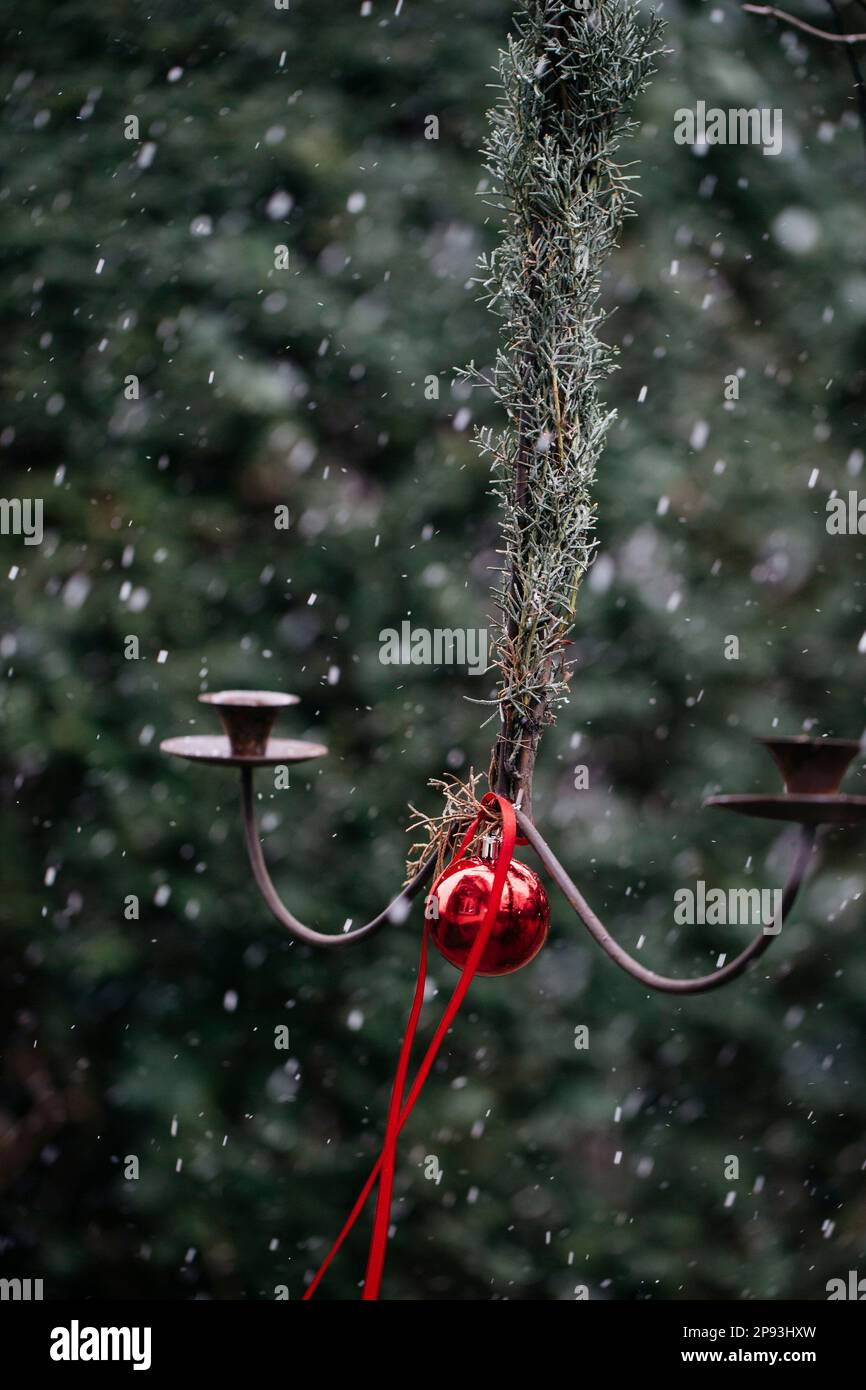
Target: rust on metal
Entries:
(812, 766)
(806, 810)
(248, 717)
(812, 770)
(218, 752)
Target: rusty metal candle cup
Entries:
(812, 766)
(812, 770)
(248, 716)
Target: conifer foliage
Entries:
(567, 79)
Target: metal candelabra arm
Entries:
(392, 913)
(812, 769)
(699, 984)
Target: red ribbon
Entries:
(398, 1110)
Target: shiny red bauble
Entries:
(458, 901)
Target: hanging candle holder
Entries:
(565, 81)
(812, 769)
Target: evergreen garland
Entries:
(567, 79)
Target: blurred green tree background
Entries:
(153, 257)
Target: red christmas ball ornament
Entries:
(458, 901)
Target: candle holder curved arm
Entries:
(812, 769)
(287, 919)
(666, 983)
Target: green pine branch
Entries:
(567, 80)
